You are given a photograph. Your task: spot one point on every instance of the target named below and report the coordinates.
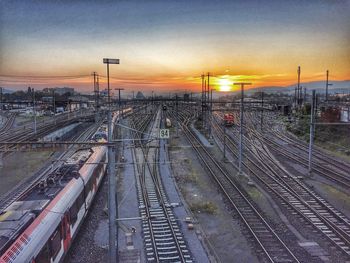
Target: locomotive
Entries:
(40, 226)
(229, 119)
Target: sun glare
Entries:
(224, 85)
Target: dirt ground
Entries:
(223, 234)
(19, 166)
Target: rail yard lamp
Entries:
(241, 110)
(112, 198)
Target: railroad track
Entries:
(319, 155)
(331, 168)
(163, 239)
(27, 184)
(271, 247)
(30, 136)
(22, 131)
(8, 124)
(323, 163)
(301, 158)
(312, 210)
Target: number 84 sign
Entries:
(164, 133)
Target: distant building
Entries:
(47, 99)
(140, 95)
(78, 102)
(345, 114)
(60, 91)
(330, 114)
(104, 93)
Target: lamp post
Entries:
(241, 126)
(112, 198)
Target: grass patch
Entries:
(204, 207)
(173, 142)
(255, 193)
(187, 161)
(344, 198)
(191, 177)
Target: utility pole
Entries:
(119, 102)
(1, 106)
(191, 101)
(312, 129)
(262, 111)
(98, 94)
(95, 93)
(240, 156)
(211, 113)
(54, 105)
(112, 197)
(225, 159)
(298, 93)
(202, 76)
(34, 111)
(177, 117)
(152, 102)
(205, 106)
(327, 84)
(207, 103)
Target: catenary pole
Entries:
(262, 111)
(312, 129)
(240, 155)
(34, 111)
(298, 93)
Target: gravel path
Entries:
(84, 248)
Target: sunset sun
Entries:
(224, 85)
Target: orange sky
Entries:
(166, 46)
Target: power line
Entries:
(43, 76)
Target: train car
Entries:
(164, 107)
(229, 119)
(167, 123)
(101, 133)
(40, 226)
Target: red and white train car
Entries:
(39, 228)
